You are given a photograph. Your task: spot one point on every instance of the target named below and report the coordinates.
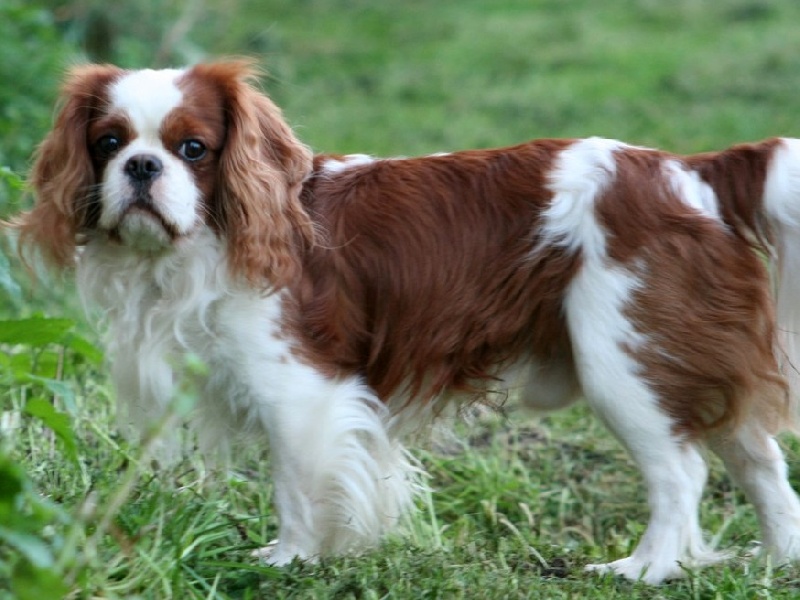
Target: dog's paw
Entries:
(279, 555)
(265, 553)
(639, 570)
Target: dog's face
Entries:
(146, 158)
(155, 144)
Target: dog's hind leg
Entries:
(675, 473)
(612, 381)
(755, 462)
(673, 469)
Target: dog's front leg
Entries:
(341, 481)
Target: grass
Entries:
(387, 79)
(520, 505)
(519, 508)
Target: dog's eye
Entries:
(108, 145)
(192, 150)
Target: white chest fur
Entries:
(156, 308)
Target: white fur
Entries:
(340, 480)
(782, 204)
(333, 166)
(582, 172)
(692, 190)
(602, 337)
(146, 97)
(755, 461)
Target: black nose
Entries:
(144, 167)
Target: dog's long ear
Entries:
(262, 168)
(63, 176)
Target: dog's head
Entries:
(147, 158)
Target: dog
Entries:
(341, 302)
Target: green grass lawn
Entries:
(519, 505)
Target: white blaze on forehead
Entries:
(146, 97)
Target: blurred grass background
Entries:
(418, 76)
(519, 506)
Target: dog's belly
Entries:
(544, 385)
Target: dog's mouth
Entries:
(144, 228)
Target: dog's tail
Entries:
(758, 192)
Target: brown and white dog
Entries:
(341, 300)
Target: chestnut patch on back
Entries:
(424, 279)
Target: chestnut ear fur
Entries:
(261, 172)
(62, 176)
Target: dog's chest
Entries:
(238, 330)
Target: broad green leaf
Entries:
(21, 364)
(12, 483)
(85, 348)
(35, 331)
(46, 361)
(63, 390)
